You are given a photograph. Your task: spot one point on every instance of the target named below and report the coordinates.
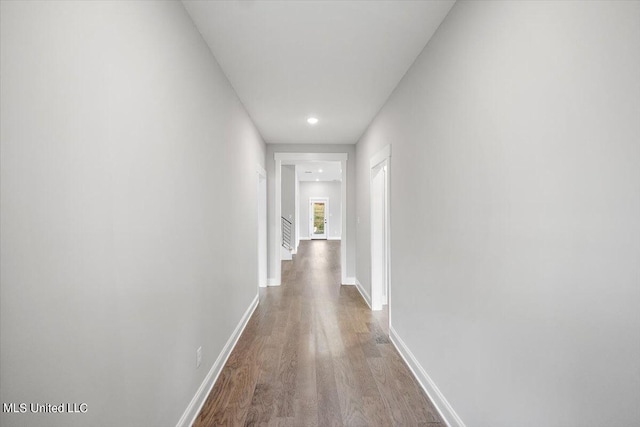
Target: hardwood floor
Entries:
(313, 354)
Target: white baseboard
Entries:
(365, 295)
(272, 282)
(305, 238)
(192, 411)
(349, 281)
(285, 254)
(437, 398)
(334, 238)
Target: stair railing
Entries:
(286, 234)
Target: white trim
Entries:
(291, 159)
(333, 238)
(201, 395)
(437, 398)
(363, 293)
(272, 281)
(344, 231)
(350, 281)
(305, 238)
(263, 235)
(380, 161)
(380, 156)
(296, 198)
(276, 259)
(287, 158)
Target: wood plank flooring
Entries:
(313, 354)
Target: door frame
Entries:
(263, 245)
(324, 200)
(381, 292)
(292, 159)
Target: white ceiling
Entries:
(336, 60)
(331, 171)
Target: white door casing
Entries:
(380, 225)
(291, 159)
(262, 227)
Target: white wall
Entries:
(350, 228)
(330, 190)
(515, 212)
(128, 221)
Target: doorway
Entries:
(281, 159)
(380, 247)
(318, 208)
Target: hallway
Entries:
(150, 150)
(314, 354)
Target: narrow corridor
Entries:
(314, 354)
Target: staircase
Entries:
(286, 248)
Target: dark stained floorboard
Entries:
(313, 354)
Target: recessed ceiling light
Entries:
(312, 120)
(317, 179)
(320, 170)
